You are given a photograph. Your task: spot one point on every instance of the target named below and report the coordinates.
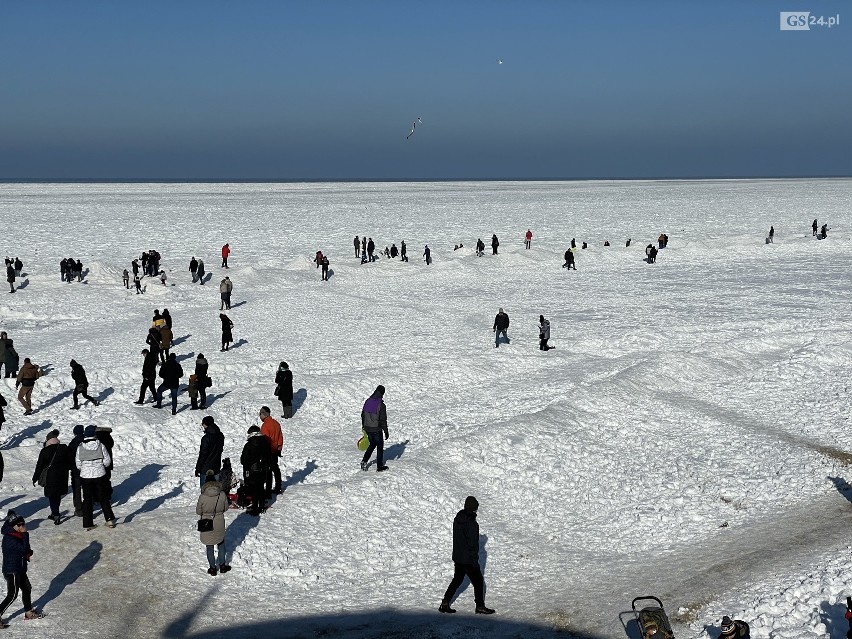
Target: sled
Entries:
(652, 619)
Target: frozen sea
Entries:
(688, 437)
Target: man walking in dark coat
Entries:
(501, 325)
(494, 244)
(569, 260)
(149, 374)
(255, 460)
(466, 558)
(210, 452)
(203, 381)
(284, 389)
(81, 385)
(357, 243)
(403, 252)
(374, 421)
(171, 372)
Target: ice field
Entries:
(688, 437)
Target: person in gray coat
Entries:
(226, 287)
(212, 504)
(543, 333)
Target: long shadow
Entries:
(238, 304)
(182, 358)
(30, 508)
(24, 284)
(85, 272)
(82, 563)
(213, 398)
(396, 451)
(9, 500)
(207, 277)
(386, 623)
(109, 390)
(143, 477)
(55, 399)
(842, 487)
(300, 475)
(238, 531)
(299, 398)
(240, 343)
(29, 431)
(181, 339)
(47, 369)
(154, 503)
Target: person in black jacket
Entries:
(3, 404)
(569, 260)
(494, 244)
(466, 558)
(284, 389)
(76, 484)
(374, 421)
(53, 458)
(81, 385)
(255, 459)
(202, 380)
(501, 325)
(227, 331)
(168, 317)
(149, 374)
(170, 372)
(16, 556)
(403, 252)
(210, 452)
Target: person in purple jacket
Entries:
(374, 421)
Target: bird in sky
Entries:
(499, 61)
(413, 126)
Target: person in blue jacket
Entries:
(16, 555)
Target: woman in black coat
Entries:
(227, 335)
(54, 459)
(284, 389)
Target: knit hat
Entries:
(52, 434)
(283, 365)
(380, 391)
(78, 429)
(207, 421)
(90, 431)
(728, 627)
(470, 504)
(253, 429)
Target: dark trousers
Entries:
(202, 393)
(543, 345)
(174, 393)
(14, 583)
(493, 250)
(96, 490)
(147, 383)
(472, 572)
(82, 390)
(286, 409)
(376, 442)
(257, 492)
(126, 283)
(54, 505)
(76, 492)
(224, 262)
(274, 471)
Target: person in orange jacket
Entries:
(271, 429)
(226, 251)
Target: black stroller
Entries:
(652, 619)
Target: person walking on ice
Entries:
(26, 380)
(374, 421)
(81, 385)
(569, 260)
(771, 234)
(501, 325)
(324, 264)
(528, 239)
(466, 558)
(211, 507)
(427, 255)
(543, 333)
(227, 331)
(494, 244)
(284, 389)
(815, 226)
(16, 555)
(226, 251)
(357, 243)
(125, 277)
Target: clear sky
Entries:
(328, 89)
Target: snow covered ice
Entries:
(688, 437)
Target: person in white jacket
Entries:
(93, 460)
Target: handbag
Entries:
(206, 525)
(364, 442)
(42, 478)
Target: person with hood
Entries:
(11, 359)
(427, 255)
(226, 251)
(371, 248)
(374, 421)
(16, 555)
(200, 272)
(734, 629)
(271, 429)
(394, 252)
(357, 243)
(81, 385)
(403, 251)
(210, 451)
(204, 381)
(528, 239)
(212, 504)
(93, 461)
(225, 288)
(227, 332)
(149, 375)
(53, 464)
(284, 389)
(26, 380)
(569, 260)
(170, 372)
(167, 318)
(324, 264)
(255, 460)
(166, 337)
(480, 247)
(318, 258)
(466, 558)
(193, 268)
(76, 485)
(543, 333)
(494, 244)
(10, 277)
(153, 341)
(137, 282)
(501, 325)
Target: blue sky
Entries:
(328, 89)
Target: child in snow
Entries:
(138, 283)
(163, 277)
(126, 278)
(16, 556)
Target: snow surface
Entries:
(688, 437)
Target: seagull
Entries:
(413, 126)
(499, 61)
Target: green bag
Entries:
(364, 442)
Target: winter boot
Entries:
(445, 607)
(483, 610)
(223, 568)
(212, 571)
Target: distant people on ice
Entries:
(211, 507)
(427, 255)
(51, 473)
(94, 461)
(466, 558)
(627, 244)
(170, 372)
(26, 380)
(284, 389)
(734, 629)
(271, 429)
(394, 251)
(528, 239)
(573, 243)
(403, 252)
(200, 272)
(823, 232)
(569, 260)
(663, 240)
(584, 246)
(771, 237)
(543, 333)
(371, 247)
(318, 258)
(324, 265)
(16, 557)
(494, 244)
(374, 421)
(225, 289)
(651, 253)
(226, 251)
(10, 277)
(255, 461)
(357, 243)
(480, 247)
(815, 226)
(137, 282)
(125, 277)
(501, 325)
(81, 385)
(210, 450)
(606, 242)
(227, 331)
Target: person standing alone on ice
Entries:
(227, 332)
(466, 558)
(494, 244)
(771, 234)
(374, 421)
(193, 268)
(225, 289)
(226, 251)
(403, 252)
(324, 264)
(284, 389)
(501, 325)
(427, 255)
(528, 239)
(16, 555)
(357, 243)
(543, 333)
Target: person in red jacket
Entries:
(271, 429)
(528, 238)
(226, 251)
